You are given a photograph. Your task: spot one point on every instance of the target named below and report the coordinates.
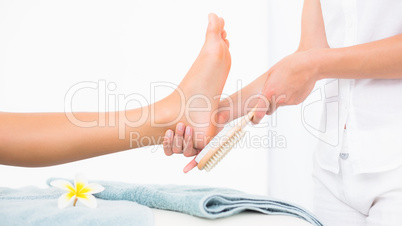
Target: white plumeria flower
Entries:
(80, 191)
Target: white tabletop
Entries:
(167, 218)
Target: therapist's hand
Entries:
(292, 79)
(289, 82)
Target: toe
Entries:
(221, 22)
(227, 42)
(224, 34)
(213, 25)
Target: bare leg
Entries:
(43, 139)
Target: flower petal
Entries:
(93, 188)
(80, 182)
(65, 199)
(63, 184)
(88, 200)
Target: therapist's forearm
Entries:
(312, 26)
(312, 37)
(380, 59)
(241, 102)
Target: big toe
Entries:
(214, 25)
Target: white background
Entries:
(48, 46)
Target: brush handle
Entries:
(200, 160)
(245, 120)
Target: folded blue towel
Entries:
(198, 201)
(205, 202)
(35, 206)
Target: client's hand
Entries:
(181, 140)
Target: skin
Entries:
(292, 79)
(44, 139)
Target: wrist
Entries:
(310, 63)
(322, 59)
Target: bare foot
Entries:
(201, 87)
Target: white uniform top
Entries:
(371, 109)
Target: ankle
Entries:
(168, 111)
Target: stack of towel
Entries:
(128, 204)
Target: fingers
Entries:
(188, 149)
(261, 110)
(167, 142)
(181, 142)
(191, 165)
(273, 108)
(178, 139)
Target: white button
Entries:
(345, 105)
(344, 156)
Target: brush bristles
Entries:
(224, 149)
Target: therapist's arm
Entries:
(313, 37)
(292, 79)
(313, 34)
(377, 60)
(374, 60)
